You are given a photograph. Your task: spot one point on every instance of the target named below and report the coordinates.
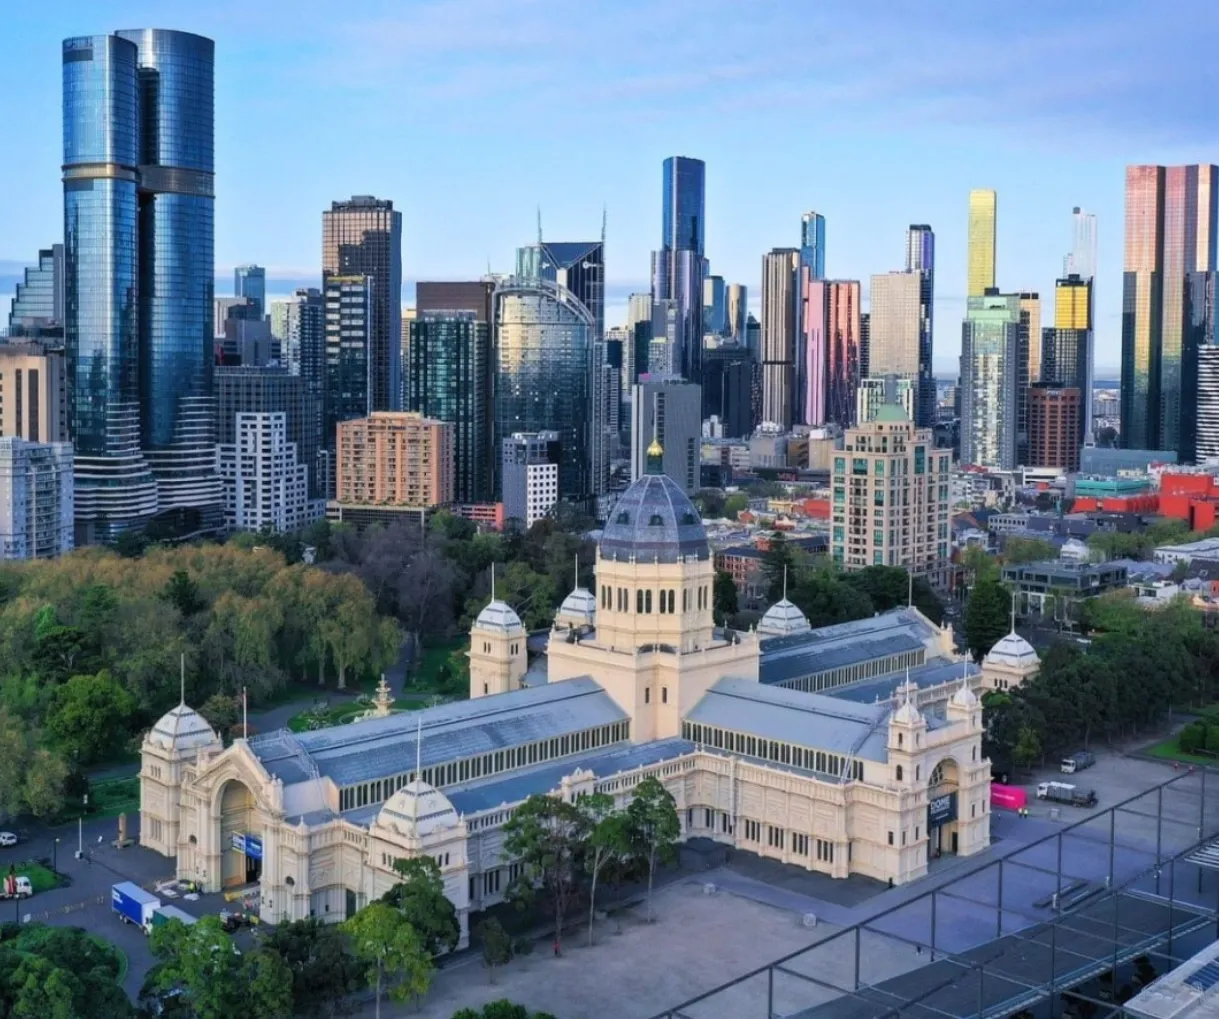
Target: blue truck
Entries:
(134, 905)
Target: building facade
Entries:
(298, 327)
(266, 486)
(351, 312)
(33, 392)
(529, 471)
(920, 258)
(891, 497)
(981, 242)
(897, 321)
(869, 765)
(36, 496)
(873, 394)
(37, 311)
(728, 389)
(668, 411)
(362, 236)
(990, 354)
(1054, 413)
(397, 458)
(780, 320)
(840, 300)
(679, 265)
(250, 282)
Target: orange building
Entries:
(395, 458)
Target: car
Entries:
(7, 838)
(233, 921)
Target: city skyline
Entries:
(267, 73)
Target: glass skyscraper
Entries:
(250, 282)
(38, 307)
(920, 258)
(543, 343)
(812, 243)
(990, 354)
(981, 253)
(679, 266)
(138, 257)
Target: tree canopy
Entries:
(59, 973)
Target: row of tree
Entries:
(48, 972)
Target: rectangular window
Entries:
(890, 838)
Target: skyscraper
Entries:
(1081, 259)
(350, 309)
(920, 258)
(812, 244)
(37, 310)
(363, 236)
(981, 254)
(780, 315)
(297, 326)
(138, 242)
(1171, 221)
(1028, 366)
(714, 313)
(678, 267)
(895, 324)
(844, 366)
(669, 411)
(250, 282)
(1066, 349)
(728, 389)
(737, 311)
(990, 350)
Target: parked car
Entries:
(7, 838)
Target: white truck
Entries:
(1065, 792)
(134, 905)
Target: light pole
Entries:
(80, 830)
(55, 856)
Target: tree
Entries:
(86, 713)
(502, 1009)
(183, 593)
(392, 951)
(546, 835)
(221, 711)
(48, 972)
(987, 617)
(778, 567)
(654, 826)
(324, 971)
(44, 784)
(1018, 550)
(497, 945)
(1027, 750)
(609, 836)
(725, 595)
(420, 897)
(735, 504)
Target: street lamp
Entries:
(55, 856)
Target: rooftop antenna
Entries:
(603, 218)
(1013, 611)
(577, 558)
(182, 680)
(539, 226)
(245, 714)
(785, 581)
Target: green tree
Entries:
(420, 897)
(59, 971)
(608, 840)
(183, 593)
(1018, 550)
(778, 567)
(987, 617)
(497, 945)
(324, 970)
(654, 827)
(502, 1009)
(735, 504)
(86, 713)
(724, 595)
(547, 836)
(395, 958)
(221, 711)
(889, 587)
(1027, 750)
(44, 783)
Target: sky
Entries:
(472, 114)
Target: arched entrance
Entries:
(240, 836)
(942, 808)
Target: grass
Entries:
(42, 878)
(426, 676)
(336, 715)
(1170, 750)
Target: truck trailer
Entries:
(1065, 792)
(1077, 762)
(164, 914)
(133, 904)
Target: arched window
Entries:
(672, 601)
(899, 772)
(647, 601)
(639, 602)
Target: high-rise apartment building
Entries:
(981, 251)
(1198, 400)
(715, 313)
(1028, 366)
(895, 320)
(1171, 224)
(1066, 349)
(812, 356)
(920, 258)
(474, 296)
(350, 309)
(728, 389)
(33, 392)
(812, 244)
(395, 458)
(780, 318)
(36, 499)
(138, 265)
(736, 311)
(891, 497)
(1054, 426)
(679, 265)
(830, 320)
(447, 365)
(1207, 445)
(990, 373)
(266, 486)
(37, 311)
(668, 410)
(298, 327)
(873, 393)
(250, 282)
(363, 237)
(529, 472)
(1081, 259)
(543, 338)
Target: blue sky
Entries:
(470, 114)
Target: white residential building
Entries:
(36, 499)
(265, 486)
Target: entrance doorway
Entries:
(240, 840)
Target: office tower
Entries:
(894, 325)
(275, 390)
(638, 309)
(33, 392)
(990, 351)
(36, 499)
(728, 372)
(1198, 401)
(839, 302)
(266, 486)
(715, 312)
(395, 458)
(668, 410)
(456, 295)
(1081, 260)
(812, 244)
(920, 258)
(1207, 445)
(1170, 233)
(250, 282)
(350, 310)
(873, 393)
(780, 314)
(37, 311)
(298, 326)
(981, 254)
(678, 266)
(363, 237)
(891, 497)
(529, 472)
(1028, 366)
(1054, 426)
(1066, 349)
(447, 365)
(736, 311)
(543, 337)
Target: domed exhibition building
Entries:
(850, 749)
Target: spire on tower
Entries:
(539, 226)
(785, 581)
(182, 679)
(418, 765)
(1013, 611)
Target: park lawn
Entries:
(1170, 750)
(426, 677)
(336, 715)
(42, 878)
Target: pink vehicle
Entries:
(1007, 797)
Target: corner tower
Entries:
(497, 654)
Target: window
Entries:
(708, 818)
(639, 603)
(899, 772)
(491, 882)
(776, 837)
(647, 695)
(664, 695)
(753, 831)
(890, 838)
(647, 601)
(825, 850)
(800, 844)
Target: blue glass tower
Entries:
(138, 232)
(920, 258)
(679, 266)
(812, 243)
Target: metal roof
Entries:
(604, 763)
(806, 719)
(379, 747)
(935, 672)
(654, 521)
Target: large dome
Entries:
(783, 619)
(654, 521)
(1013, 650)
(182, 728)
(417, 810)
